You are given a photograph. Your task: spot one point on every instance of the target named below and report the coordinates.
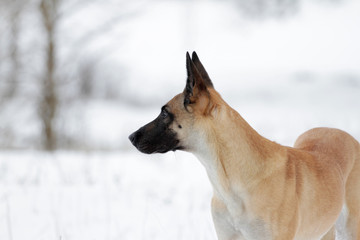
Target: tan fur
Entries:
(263, 190)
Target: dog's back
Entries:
(333, 148)
(336, 166)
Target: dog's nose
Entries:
(134, 137)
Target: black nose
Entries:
(134, 137)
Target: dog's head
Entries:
(175, 127)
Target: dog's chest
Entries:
(244, 222)
(236, 212)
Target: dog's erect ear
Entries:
(202, 70)
(194, 83)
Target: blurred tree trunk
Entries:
(14, 20)
(11, 12)
(48, 104)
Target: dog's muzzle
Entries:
(149, 143)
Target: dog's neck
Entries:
(234, 154)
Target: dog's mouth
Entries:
(149, 149)
(159, 144)
(178, 146)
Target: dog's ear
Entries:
(194, 83)
(202, 70)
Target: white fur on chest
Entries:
(247, 226)
(236, 214)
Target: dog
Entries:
(261, 189)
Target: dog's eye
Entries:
(186, 101)
(164, 113)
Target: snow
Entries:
(71, 195)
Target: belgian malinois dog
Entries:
(262, 190)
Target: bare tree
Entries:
(48, 103)
(55, 70)
(87, 70)
(3, 44)
(16, 9)
(11, 13)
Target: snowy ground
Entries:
(103, 196)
